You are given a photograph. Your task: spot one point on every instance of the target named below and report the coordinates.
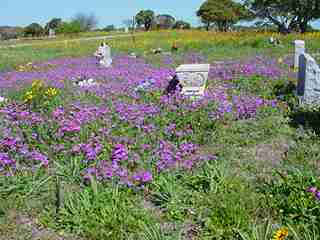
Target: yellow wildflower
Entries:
(28, 96)
(280, 60)
(37, 84)
(281, 234)
(51, 92)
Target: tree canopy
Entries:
(87, 22)
(54, 23)
(182, 25)
(287, 15)
(145, 18)
(165, 21)
(222, 13)
(34, 30)
(69, 28)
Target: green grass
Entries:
(256, 186)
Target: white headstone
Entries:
(309, 80)
(126, 30)
(104, 55)
(193, 78)
(2, 99)
(299, 49)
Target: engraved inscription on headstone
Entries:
(309, 80)
(299, 49)
(193, 78)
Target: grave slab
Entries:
(308, 80)
(193, 78)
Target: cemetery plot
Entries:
(309, 80)
(193, 78)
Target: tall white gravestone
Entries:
(193, 78)
(299, 49)
(103, 55)
(309, 80)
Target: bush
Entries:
(104, 215)
(34, 30)
(7, 33)
(109, 28)
(182, 25)
(69, 28)
(293, 197)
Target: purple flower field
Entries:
(128, 135)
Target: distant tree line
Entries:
(147, 19)
(286, 15)
(79, 23)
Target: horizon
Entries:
(13, 16)
(107, 13)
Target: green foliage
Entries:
(109, 28)
(34, 30)
(287, 15)
(39, 97)
(53, 24)
(87, 22)
(287, 195)
(182, 25)
(165, 21)
(146, 18)
(111, 213)
(69, 28)
(223, 13)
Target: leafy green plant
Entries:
(106, 214)
(39, 97)
(288, 196)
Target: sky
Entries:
(24, 12)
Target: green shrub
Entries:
(109, 214)
(69, 28)
(34, 30)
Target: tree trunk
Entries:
(208, 26)
(283, 29)
(281, 26)
(303, 26)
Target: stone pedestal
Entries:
(309, 80)
(193, 78)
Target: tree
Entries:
(53, 24)
(109, 28)
(165, 21)
(182, 25)
(34, 30)
(287, 15)
(87, 22)
(69, 28)
(145, 18)
(222, 13)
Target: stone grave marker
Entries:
(309, 80)
(103, 54)
(193, 78)
(299, 49)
